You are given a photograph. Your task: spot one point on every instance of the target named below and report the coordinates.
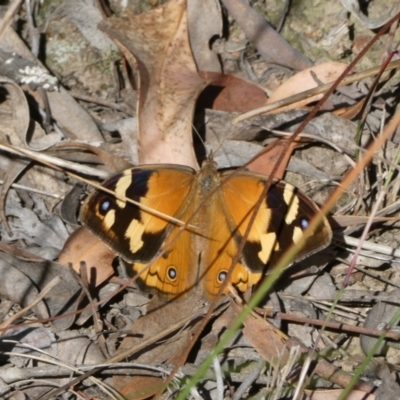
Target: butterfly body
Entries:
(214, 209)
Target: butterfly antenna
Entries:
(197, 133)
(203, 154)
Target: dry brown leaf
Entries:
(168, 80)
(230, 93)
(265, 338)
(82, 245)
(305, 80)
(142, 387)
(352, 111)
(265, 162)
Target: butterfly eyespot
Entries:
(172, 274)
(304, 223)
(222, 276)
(105, 206)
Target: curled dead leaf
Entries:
(82, 245)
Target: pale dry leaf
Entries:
(71, 348)
(127, 128)
(336, 129)
(219, 127)
(16, 167)
(36, 336)
(307, 169)
(86, 351)
(23, 71)
(308, 79)
(169, 83)
(390, 388)
(233, 153)
(323, 287)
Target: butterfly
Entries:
(210, 212)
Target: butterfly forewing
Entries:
(135, 234)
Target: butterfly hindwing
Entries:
(169, 273)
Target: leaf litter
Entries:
(167, 72)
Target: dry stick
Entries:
(248, 381)
(338, 326)
(56, 163)
(122, 107)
